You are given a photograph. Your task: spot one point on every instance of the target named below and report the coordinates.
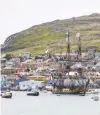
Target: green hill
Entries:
(51, 35)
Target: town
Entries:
(50, 57)
(46, 71)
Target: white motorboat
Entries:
(95, 98)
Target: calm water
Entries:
(49, 104)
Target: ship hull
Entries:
(74, 91)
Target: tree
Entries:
(8, 56)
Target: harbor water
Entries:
(49, 104)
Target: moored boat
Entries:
(95, 98)
(33, 94)
(7, 95)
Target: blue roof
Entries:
(16, 82)
(50, 81)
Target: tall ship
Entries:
(69, 80)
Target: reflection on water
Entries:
(49, 104)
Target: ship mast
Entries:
(68, 46)
(79, 46)
(68, 52)
(79, 53)
(58, 87)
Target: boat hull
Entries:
(33, 94)
(7, 96)
(75, 90)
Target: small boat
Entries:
(33, 93)
(95, 98)
(7, 95)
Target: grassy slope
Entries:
(51, 35)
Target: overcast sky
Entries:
(17, 15)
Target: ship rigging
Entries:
(67, 83)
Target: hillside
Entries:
(51, 35)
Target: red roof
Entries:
(21, 66)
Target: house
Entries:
(97, 54)
(27, 55)
(17, 81)
(98, 66)
(15, 60)
(10, 63)
(9, 70)
(91, 52)
(72, 73)
(30, 83)
(73, 56)
(3, 81)
(39, 59)
(21, 67)
(3, 62)
(38, 78)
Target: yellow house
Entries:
(37, 78)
